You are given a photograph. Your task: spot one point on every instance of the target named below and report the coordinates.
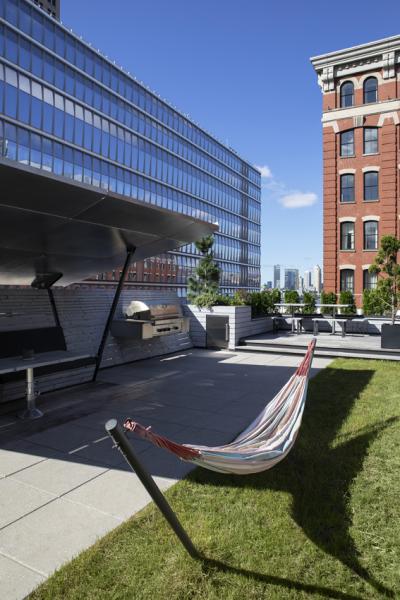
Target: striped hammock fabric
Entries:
(265, 442)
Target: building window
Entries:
(347, 143)
(370, 90)
(347, 94)
(347, 235)
(371, 186)
(347, 280)
(370, 140)
(370, 235)
(369, 280)
(347, 188)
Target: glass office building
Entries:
(66, 109)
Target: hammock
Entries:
(265, 442)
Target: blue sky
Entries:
(241, 69)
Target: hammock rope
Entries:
(264, 443)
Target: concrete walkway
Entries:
(62, 485)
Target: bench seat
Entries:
(50, 353)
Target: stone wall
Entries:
(83, 313)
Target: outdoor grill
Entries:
(144, 321)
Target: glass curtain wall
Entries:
(64, 108)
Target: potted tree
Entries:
(203, 286)
(386, 265)
(346, 297)
(309, 302)
(328, 298)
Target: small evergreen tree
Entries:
(203, 286)
(386, 265)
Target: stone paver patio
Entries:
(62, 485)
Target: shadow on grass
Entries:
(210, 564)
(320, 470)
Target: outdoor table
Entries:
(293, 306)
(334, 307)
(17, 363)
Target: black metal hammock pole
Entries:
(118, 436)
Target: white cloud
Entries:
(265, 171)
(280, 192)
(298, 199)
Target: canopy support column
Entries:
(120, 440)
(129, 254)
(54, 307)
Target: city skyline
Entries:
(288, 277)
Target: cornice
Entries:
(382, 54)
(388, 106)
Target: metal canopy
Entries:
(50, 224)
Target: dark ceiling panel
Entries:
(53, 224)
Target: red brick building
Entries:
(360, 120)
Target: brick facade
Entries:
(380, 61)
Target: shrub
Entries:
(255, 300)
(347, 297)
(240, 298)
(291, 296)
(221, 300)
(309, 301)
(206, 299)
(262, 303)
(328, 298)
(377, 301)
(275, 295)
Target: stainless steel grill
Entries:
(145, 321)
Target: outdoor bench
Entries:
(277, 320)
(295, 323)
(43, 349)
(333, 321)
(341, 322)
(315, 321)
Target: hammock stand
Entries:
(267, 441)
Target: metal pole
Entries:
(130, 252)
(118, 436)
(31, 412)
(54, 307)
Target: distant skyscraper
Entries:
(301, 284)
(308, 280)
(291, 279)
(268, 285)
(317, 278)
(277, 276)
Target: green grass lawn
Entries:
(325, 523)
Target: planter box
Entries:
(239, 319)
(390, 336)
